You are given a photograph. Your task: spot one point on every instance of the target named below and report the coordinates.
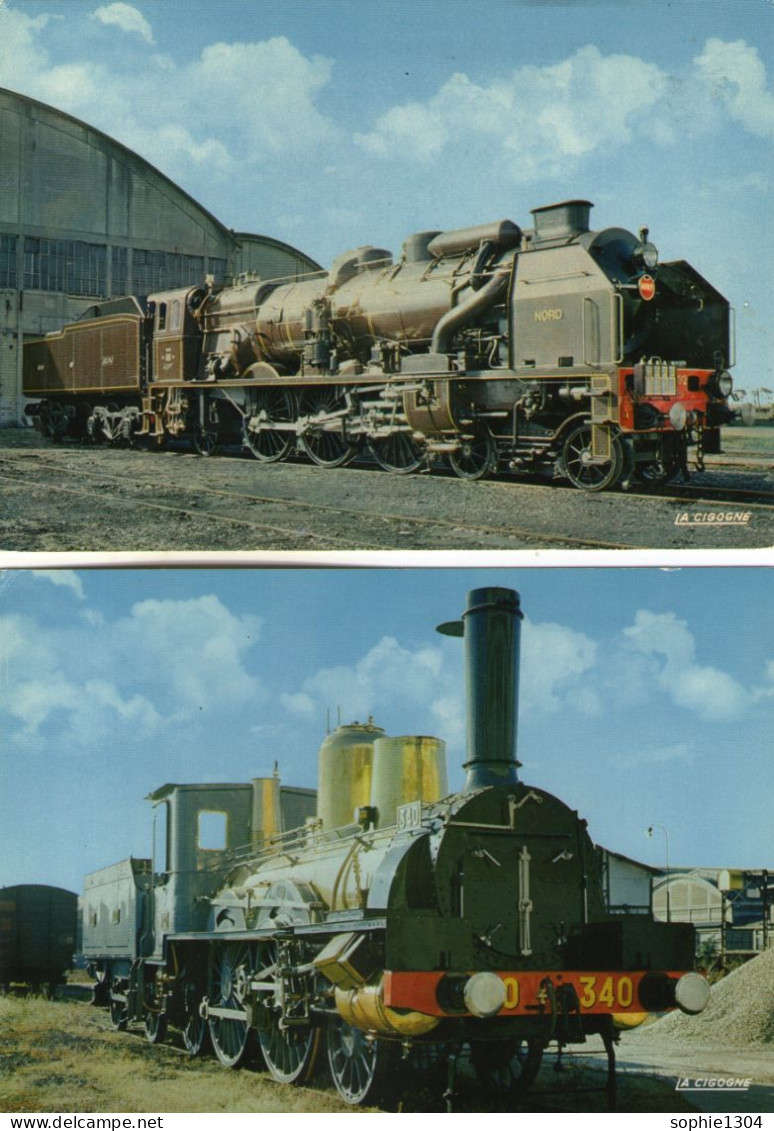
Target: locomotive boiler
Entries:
(399, 922)
(555, 349)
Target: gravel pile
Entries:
(740, 1011)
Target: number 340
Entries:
(606, 991)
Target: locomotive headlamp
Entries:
(646, 252)
(484, 994)
(692, 992)
(725, 383)
(678, 416)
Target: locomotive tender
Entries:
(555, 349)
(399, 921)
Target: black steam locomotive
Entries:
(397, 922)
(556, 349)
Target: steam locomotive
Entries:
(398, 922)
(557, 350)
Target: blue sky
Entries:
(335, 123)
(646, 696)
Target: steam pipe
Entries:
(459, 316)
(491, 629)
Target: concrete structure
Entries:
(84, 218)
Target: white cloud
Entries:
(541, 120)
(735, 77)
(546, 121)
(126, 17)
(554, 661)
(192, 650)
(666, 640)
(62, 577)
(654, 755)
(161, 665)
(235, 106)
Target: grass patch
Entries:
(63, 1056)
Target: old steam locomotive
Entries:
(397, 922)
(557, 349)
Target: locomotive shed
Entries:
(84, 498)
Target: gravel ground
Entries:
(85, 499)
(733, 1037)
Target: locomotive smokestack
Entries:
(491, 629)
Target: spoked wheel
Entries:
(360, 1068)
(506, 1065)
(195, 1031)
(291, 1052)
(580, 467)
(398, 453)
(119, 1014)
(263, 408)
(475, 457)
(230, 968)
(328, 446)
(205, 427)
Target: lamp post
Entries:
(649, 832)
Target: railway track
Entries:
(301, 508)
(212, 504)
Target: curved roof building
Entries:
(82, 218)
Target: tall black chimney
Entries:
(491, 628)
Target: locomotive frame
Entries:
(557, 349)
(426, 923)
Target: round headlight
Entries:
(725, 384)
(692, 993)
(484, 994)
(678, 416)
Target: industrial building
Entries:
(83, 218)
(731, 909)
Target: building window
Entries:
(120, 261)
(7, 261)
(217, 268)
(165, 270)
(72, 266)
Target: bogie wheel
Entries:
(579, 466)
(264, 407)
(205, 427)
(475, 457)
(231, 964)
(360, 1068)
(506, 1065)
(398, 453)
(326, 444)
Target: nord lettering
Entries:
(549, 315)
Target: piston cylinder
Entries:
(364, 1008)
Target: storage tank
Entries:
(344, 767)
(408, 768)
